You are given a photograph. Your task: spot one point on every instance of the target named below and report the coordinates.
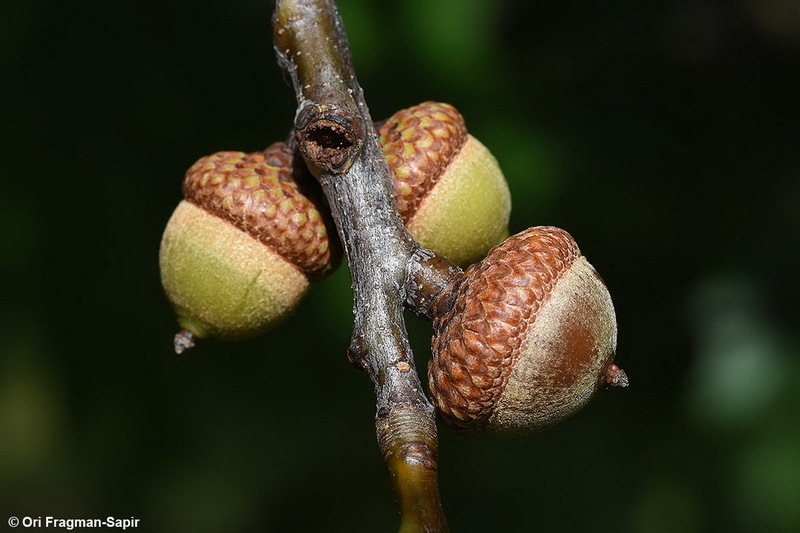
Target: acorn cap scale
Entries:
(527, 339)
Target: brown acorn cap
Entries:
(527, 340)
(258, 194)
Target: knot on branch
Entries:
(330, 140)
(357, 353)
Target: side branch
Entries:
(337, 139)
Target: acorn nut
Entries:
(525, 338)
(239, 251)
(450, 191)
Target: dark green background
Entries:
(662, 135)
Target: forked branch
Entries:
(336, 137)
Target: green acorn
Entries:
(239, 251)
(450, 191)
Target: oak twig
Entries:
(336, 136)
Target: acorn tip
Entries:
(184, 340)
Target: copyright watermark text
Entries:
(73, 523)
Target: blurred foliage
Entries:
(662, 135)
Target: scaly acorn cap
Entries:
(238, 253)
(525, 339)
(450, 191)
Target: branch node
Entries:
(430, 282)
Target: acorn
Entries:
(524, 338)
(240, 250)
(450, 191)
